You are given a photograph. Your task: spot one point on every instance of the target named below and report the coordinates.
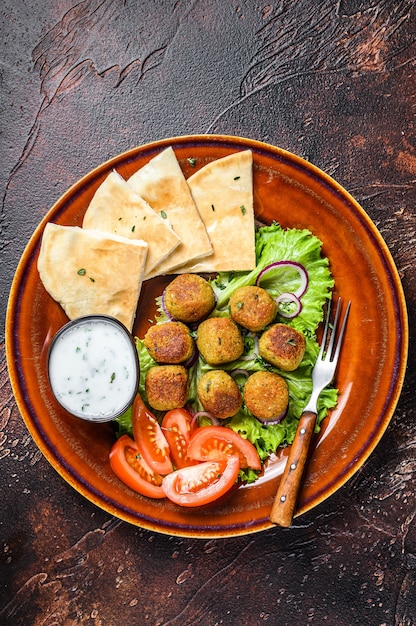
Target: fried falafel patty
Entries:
(219, 394)
(266, 395)
(167, 387)
(169, 342)
(189, 298)
(282, 346)
(252, 307)
(219, 340)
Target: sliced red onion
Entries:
(192, 359)
(214, 420)
(163, 305)
(274, 420)
(239, 370)
(289, 298)
(303, 274)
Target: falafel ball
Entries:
(266, 395)
(219, 394)
(252, 307)
(167, 387)
(169, 342)
(219, 340)
(282, 346)
(189, 298)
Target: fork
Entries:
(322, 374)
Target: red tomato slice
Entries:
(129, 465)
(150, 439)
(202, 483)
(176, 426)
(215, 442)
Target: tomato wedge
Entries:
(202, 483)
(215, 442)
(150, 439)
(129, 466)
(176, 426)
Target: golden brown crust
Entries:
(189, 298)
(283, 346)
(219, 394)
(169, 342)
(167, 387)
(266, 395)
(219, 340)
(252, 307)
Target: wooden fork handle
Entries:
(289, 487)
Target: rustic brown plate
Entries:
(370, 376)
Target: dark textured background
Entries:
(331, 81)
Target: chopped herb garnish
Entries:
(82, 271)
(292, 341)
(212, 207)
(163, 214)
(113, 375)
(243, 209)
(192, 161)
(133, 228)
(236, 177)
(92, 279)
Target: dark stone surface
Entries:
(331, 81)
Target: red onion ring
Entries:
(303, 274)
(214, 420)
(238, 371)
(163, 305)
(274, 420)
(290, 298)
(192, 359)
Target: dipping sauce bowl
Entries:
(93, 368)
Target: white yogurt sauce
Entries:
(93, 369)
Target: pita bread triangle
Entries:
(90, 272)
(116, 208)
(223, 194)
(162, 184)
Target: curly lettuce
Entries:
(273, 243)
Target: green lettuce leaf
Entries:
(273, 243)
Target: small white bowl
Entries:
(93, 368)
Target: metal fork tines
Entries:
(328, 355)
(322, 375)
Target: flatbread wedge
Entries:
(89, 272)
(223, 194)
(116, 208)
(162, 184)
